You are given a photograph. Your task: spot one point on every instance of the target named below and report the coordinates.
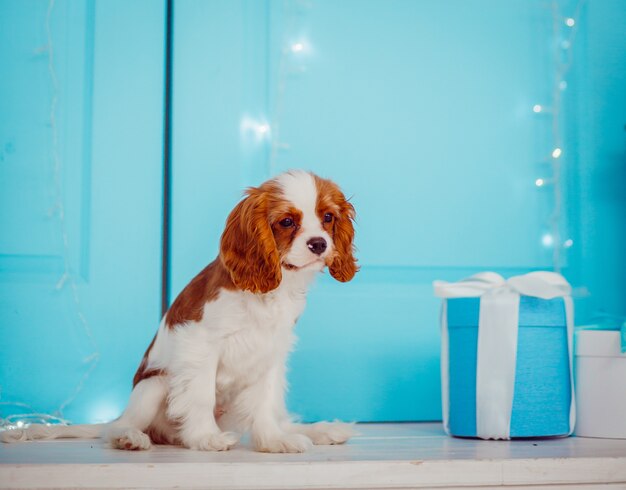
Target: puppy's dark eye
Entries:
(328, 218)
(286, 223)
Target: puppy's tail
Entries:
(41, 431)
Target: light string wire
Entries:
(93, 359)
(562, 62)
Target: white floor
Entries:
(383, 456)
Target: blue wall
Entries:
(421, 110)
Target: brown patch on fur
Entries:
(251, 247)
(205, 287)
(252, 243)
(188, 306)
(331, 200)
(284, 237)
(141, 371)
(145, 374)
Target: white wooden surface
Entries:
(383, 456)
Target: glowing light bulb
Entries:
(556, 153)
(297, 47)
(540, 182)
(20, 424)
(537, 108)
(568, 243)
(547, 240)
(263, 129)
(570, 22)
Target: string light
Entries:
(541, 182)
(24, 419)
(541, 109)
(562, 61)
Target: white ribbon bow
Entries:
(497, 342)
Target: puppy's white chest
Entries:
(261, 336)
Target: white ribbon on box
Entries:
(498, 324)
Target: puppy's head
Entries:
(296, 222)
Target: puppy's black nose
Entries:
(317, 245)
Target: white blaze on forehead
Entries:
(299, 188)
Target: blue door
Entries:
(80, 202)
(410, 119)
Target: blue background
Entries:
(421, 110)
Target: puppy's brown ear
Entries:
(248, 249)
(344, 267)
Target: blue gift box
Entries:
(542, 391)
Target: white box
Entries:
(600, 385)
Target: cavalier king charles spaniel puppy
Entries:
(216, 366)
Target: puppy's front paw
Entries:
(129, 439)
(285, 443)
(221, 441)
(324, 433)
